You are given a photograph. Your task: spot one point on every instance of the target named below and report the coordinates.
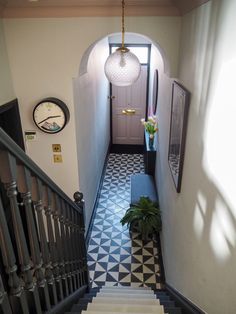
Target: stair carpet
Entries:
(114, 300)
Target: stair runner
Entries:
(115, 300)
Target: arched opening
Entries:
(93, 111)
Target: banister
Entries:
(42, 244)
(8, 144)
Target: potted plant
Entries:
(145, 217)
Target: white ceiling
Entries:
(99, 7)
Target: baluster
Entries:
(78, 250)
(52, 244)
(55, 216)
(25, 187)
(5, 307)
(71, 263)
(63, 246)
(38, 196)
(17, 294)
(78, 197)
(75, 247)
(22, 249)
(68, 248)
(83, 250)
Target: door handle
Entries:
(128, 111)
(111, 97)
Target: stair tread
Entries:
(127, 301)
(112, 312)
(126, 296)
(126, 288)
(125, 307)
(126, 291)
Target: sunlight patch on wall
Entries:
(220, 148)
(199, 213)
(222, 231)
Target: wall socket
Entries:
(56, 148)
(57, 158)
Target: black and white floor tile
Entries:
(116, 257)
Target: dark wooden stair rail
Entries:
(42, 245)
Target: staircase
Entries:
(114, 300)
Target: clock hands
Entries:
(48, 118)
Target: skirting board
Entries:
(88, 233)
(186, 305)
(66, 304)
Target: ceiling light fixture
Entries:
(122, 67)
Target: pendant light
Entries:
(122, 68)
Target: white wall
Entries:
(45, 55)
(199, 224)
(6, 88)
(91, 92)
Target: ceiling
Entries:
(54, 8)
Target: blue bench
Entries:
(142, 185)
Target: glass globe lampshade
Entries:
(122, 67)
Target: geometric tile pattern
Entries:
(116, 257)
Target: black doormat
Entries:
(127, 149)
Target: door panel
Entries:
(127, 128)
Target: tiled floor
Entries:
(115, 257)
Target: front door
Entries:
(128, 107)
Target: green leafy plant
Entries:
(145, 216)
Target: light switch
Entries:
(57, 158)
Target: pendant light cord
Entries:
(123, 24)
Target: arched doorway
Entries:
(93, 112)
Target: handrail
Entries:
(42, 242)
(7, 143)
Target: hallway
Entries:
(113, 257)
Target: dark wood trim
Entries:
(148, 79)
(88, 233)
(127, 149)
(160, 260)
(66, 304)
(186, 305)
(12, 109)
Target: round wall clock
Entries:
(51, 115)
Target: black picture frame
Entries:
(155, 91)
(178, 129)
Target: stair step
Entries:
(124, 291)
(112, 312)
(125, 288)
(167, 303)
(85, 300)
(127, 301)
(164, 298)
(160, 293)
(126, 295)
(125, 308)
(78, 308)
(173, 310)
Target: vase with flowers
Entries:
(151, 128)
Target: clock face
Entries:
(51, 116)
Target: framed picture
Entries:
(178, 128)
